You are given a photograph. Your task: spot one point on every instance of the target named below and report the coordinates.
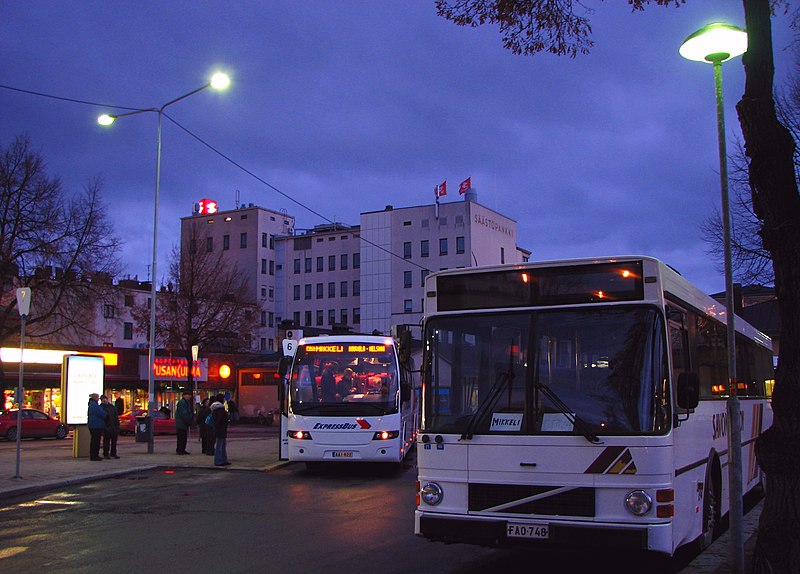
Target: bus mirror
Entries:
(283, 366)
(688, 390)
(405, 391)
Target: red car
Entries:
(162, 424)
(35, 424)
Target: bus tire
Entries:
(711, 510)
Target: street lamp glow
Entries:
(220, 81)
(716, 42)
(106, 120)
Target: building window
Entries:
(343, 289)
(272, 267)
(127, 331)
(308, 264)
(296, 266)
(263, 318)
(320, 264)
(407, 306)
(263, 266)
(262, 344)
(209, 244)
(343, 261)
(272, 242)
(264, 240)
(356, 288)
(108, 311)
(331, 316)
(443, 246)
(407, 279)
(460, 244)
(129, 300)
(271, 344)
(319, 318)
(307, 291)
(331, 290)
(502, 255)
(308, 319)
(296, 292)
(319, 290)
(243, 240)
(296, 318)
(343, 316)
(407, 250)
(331, 262)
(422, 275)
(424, 248)
(356, 315)
(356, 260)
(226, 242)
(270, 319)
(271, 293)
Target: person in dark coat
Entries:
(206, 432)
(119, 404)
(327, 385)
(111, 431)
(97, 423)
(220, 417)
(183, 420)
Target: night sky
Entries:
(337, 108)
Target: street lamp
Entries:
(714, 44)
(219, 81)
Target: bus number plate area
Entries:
(342, 454)
(538, 531)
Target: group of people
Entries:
(212, 421)
(103, 423)
(333, 391)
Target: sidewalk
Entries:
(253, 448)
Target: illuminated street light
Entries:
(714, 44)
(218, 81)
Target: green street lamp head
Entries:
(715, 43)
(106, 120)
(220, 81)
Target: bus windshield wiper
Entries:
(567, 412)
(503, 379)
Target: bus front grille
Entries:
(531, 499)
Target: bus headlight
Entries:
(638, 502)
(385, 435)
(431, 493)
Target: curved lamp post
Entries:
(714, 44)
(219, 81)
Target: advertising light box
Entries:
(81, 375)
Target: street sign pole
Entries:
(24, 306)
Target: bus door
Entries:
(289, 348)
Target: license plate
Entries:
(342, 454)
(540, 531)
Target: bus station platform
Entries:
(49, 464)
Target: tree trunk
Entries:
(770, 148)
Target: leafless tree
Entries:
(62, 247)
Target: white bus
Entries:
(349, 399)
(581, 402)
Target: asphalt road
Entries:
(354, 518)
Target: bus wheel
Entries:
(711, 513)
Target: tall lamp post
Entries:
(219, 81)
(714, 44)
(24, 308)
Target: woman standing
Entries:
(206, 433)
(220, 417)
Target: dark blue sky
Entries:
(349, 106)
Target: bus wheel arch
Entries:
(712, 502)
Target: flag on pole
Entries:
(442, 188)
(464, 186)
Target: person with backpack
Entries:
(220, 421)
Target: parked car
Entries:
(162, 424)
(35, 424)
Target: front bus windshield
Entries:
(344, 379)
(537, 372)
